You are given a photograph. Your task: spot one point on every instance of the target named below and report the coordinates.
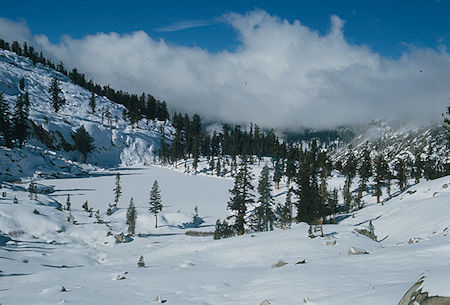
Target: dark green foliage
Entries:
(284, 211)
(68, 203)
(20, 118)
(447, 124)
(22, 84)
(417, 167)
(92, 102)
(5, 122)
(333, 204)
(32, 190)
(264, 213)
(400, 168)
(278, 173)
(365, 172)
(141, 262)
(155, 201)
(223, 230)
(98, 218)
(85, 206)
(349, 171)
(117, 190)
(308, 203)
(131, 217)
(381, 175)
(55, 91)
(241, 195)
(83, 142)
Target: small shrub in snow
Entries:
(36, 212)
(15, 200)
(98, 218)
(223, 230)
(141, 262)
(3, 194)
(68, 203)
(85, 206)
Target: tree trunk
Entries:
(156, 224)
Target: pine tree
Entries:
(365, 171)
(83, 142)
(155, 201)
(278, 173)
(349, 171)
(417, 167)
(381, 175)
(54, 91)
(401, 174)
(32, 189)
(447, 125)
(5, 122)
(20, 118)
(131, 217)
(92, 102)
(22, 84)
(284, 212)
(68, 203)
(241, 195)
(333, 204)
(266, 199)
(98, 218)
(141, 262)
(117, 190)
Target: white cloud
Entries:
(283, 74)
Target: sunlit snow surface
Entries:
(183, 269)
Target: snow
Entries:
(117, 144)
(184, 269)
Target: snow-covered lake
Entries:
(51, 253)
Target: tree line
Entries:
(308, 197)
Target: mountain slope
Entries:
(117, 143)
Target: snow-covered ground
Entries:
(116, 142)
(41, 254)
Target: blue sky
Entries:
(387, 27)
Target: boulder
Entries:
(356, 251)
(415, 296)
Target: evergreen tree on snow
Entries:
(141, 262)
(278, 173)
(54, 91)
(349, 171)
(365, 172)
(22, 84)
(266, 199)
(241, 195)
(92, 102)
(400, 168)
(83, 142)
(68, 203)
(117, 190)
(381, 175)
(5, 122)
(131, 217)
(284, 211)
(20, 118)
(155, 201)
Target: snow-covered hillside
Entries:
(117, 143)
(44, 259)
(395, 140)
